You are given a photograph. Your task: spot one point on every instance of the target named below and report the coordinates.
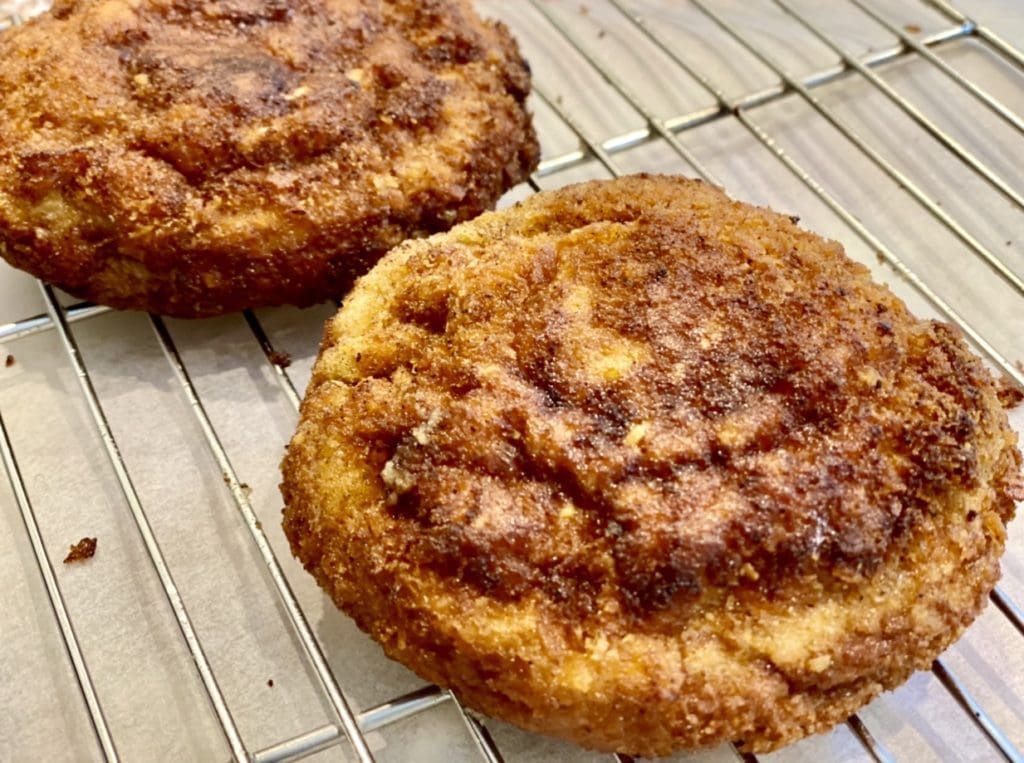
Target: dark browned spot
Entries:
(79, 552)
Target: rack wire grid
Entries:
(895, 127)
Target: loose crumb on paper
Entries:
(280, 359)
(912, 28)
(270, 682)
(242, 486)
(84, 549)
(9, 362)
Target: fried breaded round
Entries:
(647, 468)
(194, 157)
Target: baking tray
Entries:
(895, 127)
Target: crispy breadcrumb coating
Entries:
(194, 157)
(647, 468)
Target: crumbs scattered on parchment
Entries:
(84, 549)
(9, 361)
(912, 28)
(242, 486)
(270, 682)
(280, 359)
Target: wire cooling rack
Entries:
(895, 127)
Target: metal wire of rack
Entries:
(576, 145)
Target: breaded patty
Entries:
(194, 157)
(647, 468)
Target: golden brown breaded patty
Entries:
(194, 157)
(647, 468)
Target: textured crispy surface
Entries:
(647, 468)
(194, 157)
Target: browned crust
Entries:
(79, 552)
(650, 469)
(193, 158)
